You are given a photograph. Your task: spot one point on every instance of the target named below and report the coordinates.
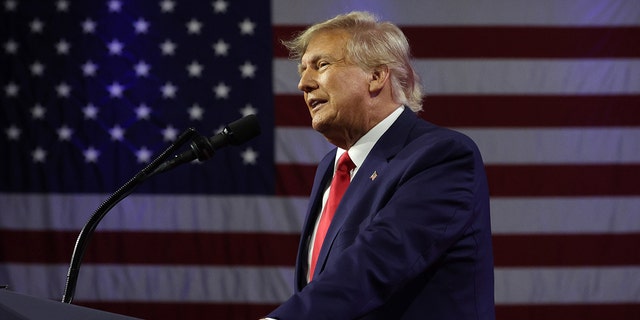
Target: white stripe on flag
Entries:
(567, 285)
(155, 213)
(571, 215)
(557, 145)
(300, 146)
(506, 76)
(499, 146)
(131, 283)
(246, 284)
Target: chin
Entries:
(320, 127)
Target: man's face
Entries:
(335, 89)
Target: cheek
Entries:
(348, 84)
(352, 93)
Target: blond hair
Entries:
(372, 44)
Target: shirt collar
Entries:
(359, 151)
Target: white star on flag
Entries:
(249, 156)
(89, 26)
(194, 26)
(247, 27)
(36, 25)
(13, 132)
(221, 48)
(141, 25)
(143, 111)
(143, 155)
(115, 90)
(195, 69)
(10, 5)
(63, 47)
(64, 133)
(169, 133)
(167, 6)
(142, 68)
(89, 69)
(220, 6)
(222, 90)
(168, 90)
(39, 155)
(91, 155)
(37, 68)
(115, 47)
(168, 48)
(247, 110)
(11, 89)
(63, 90)
(117, 133)
(248, 70)
(11, 47)
(90, 111)
(195, 112)
(62, 5)
(38, 111)
(114, 5)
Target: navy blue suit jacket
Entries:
(411, 237)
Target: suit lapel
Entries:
(324, 173)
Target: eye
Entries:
(322, 64)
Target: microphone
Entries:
(203, 148)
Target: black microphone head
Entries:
(242, 130)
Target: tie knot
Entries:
(345, 164)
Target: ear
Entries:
(378, 79)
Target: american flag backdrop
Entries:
(91, 91)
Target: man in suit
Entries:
(401, 229)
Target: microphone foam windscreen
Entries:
(244, 129)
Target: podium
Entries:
(15, 306)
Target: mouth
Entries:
(314, 103)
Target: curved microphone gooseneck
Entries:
(202, 148)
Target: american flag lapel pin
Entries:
(374, 175)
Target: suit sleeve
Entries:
(429, 204)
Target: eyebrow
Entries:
(316, 58)
(312, 60)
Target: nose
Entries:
(307, 81)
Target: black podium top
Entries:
(19, 307)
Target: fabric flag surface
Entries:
(91, 92)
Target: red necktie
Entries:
(339, 185)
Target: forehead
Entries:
(331, 43)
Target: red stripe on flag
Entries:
(532, 111)
(280, 250)
(178, 310)
(169, 248)
(512, 180)
(294, 179)
(506, 42)
(566, 250)
(290, 110)
(564, 180)
(568, 311)
(500, 110)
